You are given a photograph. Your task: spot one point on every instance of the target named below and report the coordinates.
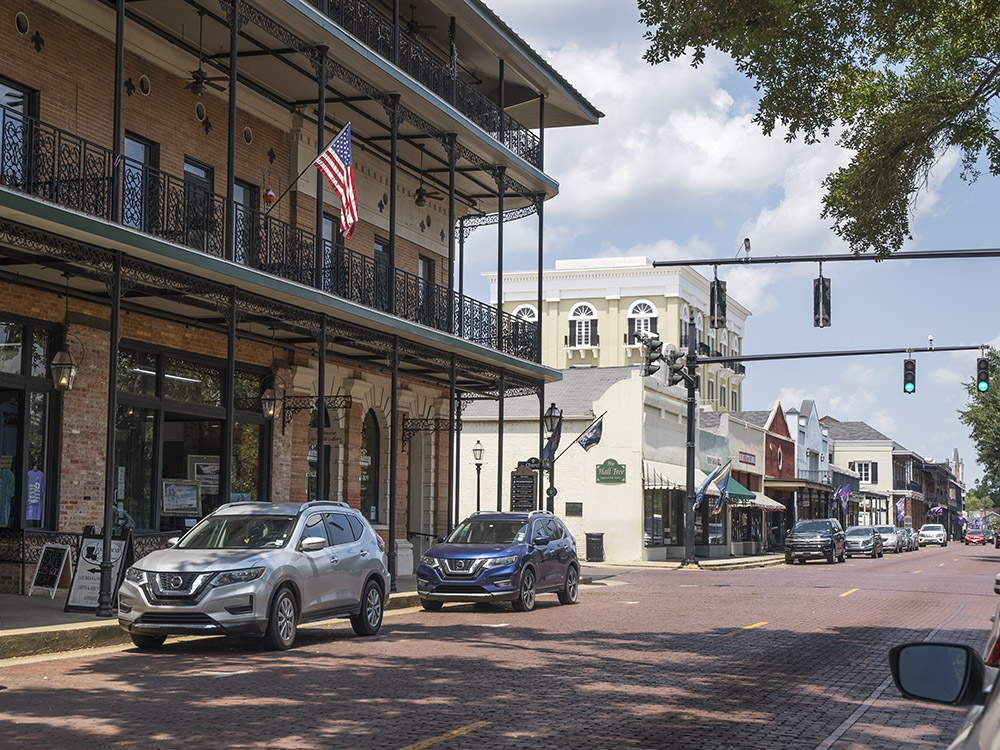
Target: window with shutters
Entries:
(684, 326)
(641, 320)
(864, 468)
(583, 326)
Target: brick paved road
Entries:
(650, 659)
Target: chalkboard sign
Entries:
(523, 489)
(83, 593)
(51, 572)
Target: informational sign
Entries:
(523, 489)
(52, 572)
(86, 586)
(748, 458)
(610, 472)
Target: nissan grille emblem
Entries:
(175, 582)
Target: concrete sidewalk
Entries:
(38, 625)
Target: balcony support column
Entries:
(451, 232)
(453, 61)
(321, 464)
(540, 198)
(452, 376)
(541, 131)
(233, 12)
(117, 169)
(500, 175)
(394, 443)
(461, 277)
(395, 33)
(501, 387)
(226, 460)
(393, 170)
(105, 593)
(320, 145)
(502, 128)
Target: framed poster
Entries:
(85, 589)
(181, 497)
(204, 469)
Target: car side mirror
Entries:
(441, 539)
(938, 672)
(312, 543)
(175, 540)
(541, 541)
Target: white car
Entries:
(932, 533)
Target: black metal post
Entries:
(395, 32)
(226, 460)
(500, 94)
(550, 496)
(501, 175)
(500, 392)
(116, 144)
(105, 593)
(451, 231)
(541, 131)
(479, 471)
(692, 386)
(453, 61)
(541, 446)
(393, 169)
(461, 277)
(394, 441)
(452, 375)
(457, 459)
(320, 145)
(321, 488)
(234, 38)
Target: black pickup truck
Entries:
(816, 538)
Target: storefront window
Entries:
(370, 444)
(10, 474)
(40, 353)
(249, 387)
(246, 462)
(11, 338)
(137, 372)
(192, 382)
(38, 454)
(135, 443)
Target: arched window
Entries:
(641, 319)
(698, 325)
(583, 326)
(711, 340)
(371, 445)
(722, 397)
(736, 345)
(684, 326)
(711, 390)
(526, 312)
(725, 348)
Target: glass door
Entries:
(139, 199)
(15, 108)
(10, 459)
(135, 456)
(198, 187)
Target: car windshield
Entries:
(885, 529)
(483, 531)
(812, 526)
(932, 527)
(859, 531)
(240, 532)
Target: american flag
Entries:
(336, 165)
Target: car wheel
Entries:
(789, 560)
(430, 605)
(850, 556)
(147, 642)
(525, 601)
(874, 552)
(881, 552)
(571, 592)
(369, 620)
(832, 557)
(842, 558)
(282, 621)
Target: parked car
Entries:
(892, 538)
(259, 569)
(501, 557)
(932, 533)
(955, 675)
(975, 536)
(816, 538)
(910, 539)
(863, 540)
(991, 536)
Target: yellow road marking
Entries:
(442, 737)
(848, 592)
(746, 627)
(940, 565)
(918, 571)
(955, 560)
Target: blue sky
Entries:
(676, 169)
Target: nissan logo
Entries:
(174, 582)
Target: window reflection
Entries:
(192, 382)
(137, 372)
(11, 338)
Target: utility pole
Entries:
(691, 361)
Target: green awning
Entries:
(735, 490)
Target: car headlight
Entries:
(500, 562)
(134, 575)
(237, 576)
(430, 562)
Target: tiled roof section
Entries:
(709, 419)
(758, 418)
(854, 431)
(575, 394)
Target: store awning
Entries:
(661, 476)
(767, 503)
(736, 491)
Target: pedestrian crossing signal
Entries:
(909, 375)
(983, 374)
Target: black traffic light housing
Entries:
(717, 304)
(909, 375)
(653, 351)
(675, 365)
(821, 302)
(982, 374)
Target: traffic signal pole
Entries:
(691, 361)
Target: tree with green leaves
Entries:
(902, 81)
(982, 416)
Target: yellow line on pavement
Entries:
(442, 737)
(918, 571)
(848, 592)
(940, 565)
(746, 627)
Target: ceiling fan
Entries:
(422, 193)
(200, 80)
(412, 27)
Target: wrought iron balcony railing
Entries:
(373, 29)
(44, 161)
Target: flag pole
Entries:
(299, 177)
(578, 437)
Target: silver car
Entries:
(259, 569)
(932, 533)
(892, 539)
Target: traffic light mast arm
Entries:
(841, 353)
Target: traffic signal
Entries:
(909, 375)
(653, 348)
(675, 365)
(982, 374)
(821, 302)
(717, 304)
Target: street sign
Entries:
(523, 488)
(533, 463)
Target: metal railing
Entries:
(819, 476)
(58, 166)
(375, 30)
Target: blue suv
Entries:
(501, 557)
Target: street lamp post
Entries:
(477, 454)
(553, 421)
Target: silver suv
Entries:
(259, 569)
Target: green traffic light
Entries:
(910, 387)
(984, 385)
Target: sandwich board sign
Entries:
(52, 572)
(86, 586)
